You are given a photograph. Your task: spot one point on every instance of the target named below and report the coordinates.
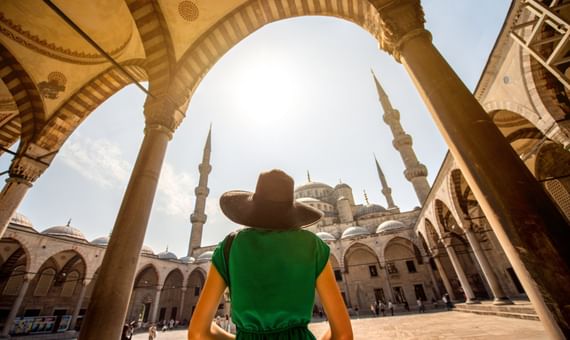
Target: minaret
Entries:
(415, 171)
(386, 190)
(198, 217)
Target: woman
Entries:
(272, 269)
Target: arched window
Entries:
(15, 281)
(44, 282)
(70, 283)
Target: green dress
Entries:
(272, 277)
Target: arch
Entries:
(424, 244)
(169, 305)
(147, 276)
(397, 242)
(157, 43)
(445, 219)
(433, 235)
(552, 168)
(254, 14)
(364, 250)
(334, 262)
(13, 266)
(194, 285)
(143, 297)
(25, 93)
(85, 100)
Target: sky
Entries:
(297, 95)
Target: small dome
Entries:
(354, 231)
(313, 185)
(369, 209)
(307, 200)
(101, 241)
(66, 232)
(205, 256)
(341, 186)
(187, 259)
(326, 236)
(389, 226)
(146, 250)
(19, 220)
(167, 255)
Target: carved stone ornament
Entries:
(26, 168)
(163, 113)
(400, 20)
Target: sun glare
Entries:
(269, 91)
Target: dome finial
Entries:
(68, 223)
(366, 198)
(308, 176)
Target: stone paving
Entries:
(438, 325)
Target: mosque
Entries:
(492, 226)
(375, 254)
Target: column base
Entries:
(502, 301)
(472, 302)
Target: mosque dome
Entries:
(187, 259)
(307, 200)
(342, 186)
(313, 185)
(146, 250)
(67, 232)
(205, 256)
(20, 220)
(167, 255)
(101, 241)
(389, 226)
(326, 236)
(354, 231)
(369, 209)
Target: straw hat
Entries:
(271, 206)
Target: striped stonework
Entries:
(26, 96)
(251, 16)
(159, 50)
(72, 113)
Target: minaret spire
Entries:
(366, 197)
(198, 217)
(415, 171)
(386, 190)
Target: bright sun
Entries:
(269, 91)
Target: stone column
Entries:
(112, 291)
(500, 298)
(16, 306)
(24, 170)
(390, 294)
(532, 231)
(181, 310)
(78, 305)
(436, 290)
(156, 304)
(469, 296)
(444, 278)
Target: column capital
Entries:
(25, 168)
(446, 239)
(163, 113)
(400, 21)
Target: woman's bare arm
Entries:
(329, 294)
(201, 325)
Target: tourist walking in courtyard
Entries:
(391, 307)
(272, 268)
(382, 308)
(421, 307)
(152, 332)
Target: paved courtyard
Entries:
(442, 325)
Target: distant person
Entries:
(406, 306)
(382, 308)
(152, 332)
(272, 268)
(446, 301)
(391, 307)
(421, 307)
(356, 311)
(373, 309)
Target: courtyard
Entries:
(438, 325)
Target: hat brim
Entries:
(241, 208)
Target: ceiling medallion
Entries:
(55, 84)
(188, 10)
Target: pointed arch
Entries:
(357, 249)
(30, 104)
(251, 16)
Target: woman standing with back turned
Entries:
(271, 268)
